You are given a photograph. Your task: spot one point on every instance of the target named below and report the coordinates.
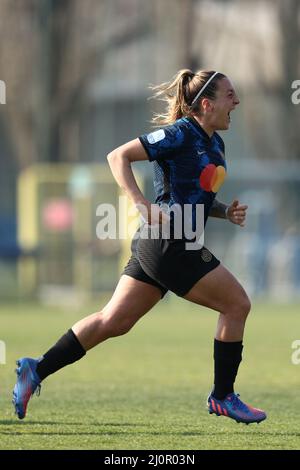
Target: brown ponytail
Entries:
(180, 92)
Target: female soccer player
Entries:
(190, 167)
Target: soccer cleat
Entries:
(234, 408)
(28, 383)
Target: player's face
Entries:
(226, 100)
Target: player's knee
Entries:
(243, 306)
(114, 326)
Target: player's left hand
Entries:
(236, 213)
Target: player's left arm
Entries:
(235, 212)
(218, 209)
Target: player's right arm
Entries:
(120, 161)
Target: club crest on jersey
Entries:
(206, 255)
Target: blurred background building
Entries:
(77, 75)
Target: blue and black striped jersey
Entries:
(189, 166)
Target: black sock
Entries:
(66, 351)
(227, 357)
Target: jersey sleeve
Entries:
(163, 143)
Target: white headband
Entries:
(203, 88)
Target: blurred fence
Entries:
(58, 257)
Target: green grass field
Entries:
(147, 390)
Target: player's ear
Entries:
(206, 104)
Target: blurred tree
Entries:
(49, 53)
(18, 47)
(289, 20)
(174, 23)
(273, 121)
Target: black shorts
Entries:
(168, 265)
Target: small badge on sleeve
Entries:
(156, 136)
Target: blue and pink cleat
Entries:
(234, 408)
(28, 383)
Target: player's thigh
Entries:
(131, 299)
(220, 291)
